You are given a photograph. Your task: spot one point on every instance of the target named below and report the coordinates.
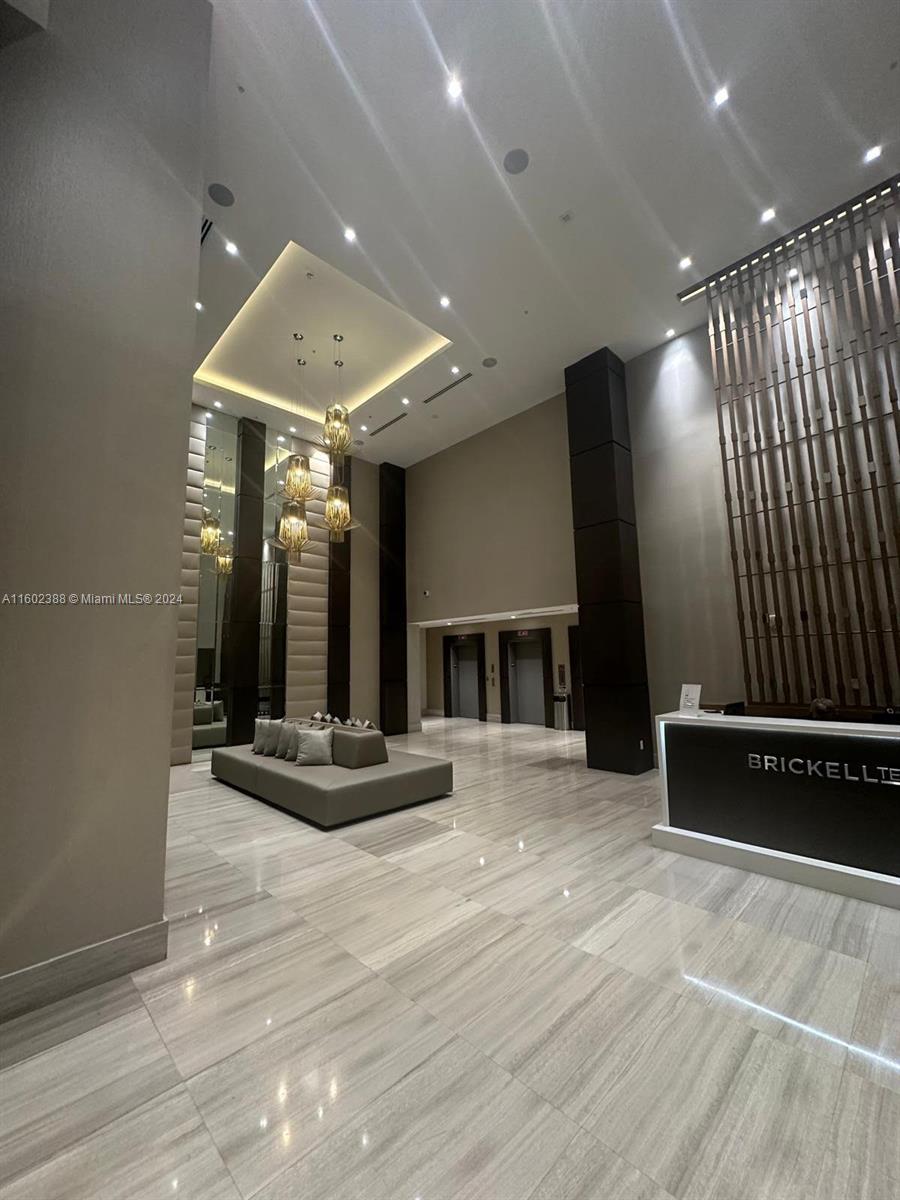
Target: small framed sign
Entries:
(690, 699)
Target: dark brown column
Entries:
(610, 614)
(240, 626)
(392, 578)
(339, 618)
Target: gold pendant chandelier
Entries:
(210, 533)
(337, 512)
(224, 560)
(293, 531)
(298, 484)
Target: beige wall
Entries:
(558, 624)
(364, 613)
(690, 619)
(489, 521)
(101, 126)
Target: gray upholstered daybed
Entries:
(361, 782)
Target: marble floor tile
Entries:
(717, 889)
(457, 1127)
(658, 1108)
(159, 1150)
(56, 1098)
(884, 952)
(794, 991)
(381, 919)
(862, 1158)
(587, 1170)
(222, 1006)
(652, 936)
(395, 831)
(33, 1032)
(874, 1053)
(271, 1103)
(772, 1131)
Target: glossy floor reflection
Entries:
(506, 994)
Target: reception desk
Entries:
(813, 802)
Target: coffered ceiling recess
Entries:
(257, 354)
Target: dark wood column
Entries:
(339, 617)
(610, 613)
(240, 626)
(392, 589)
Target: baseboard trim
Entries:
(794, 868)
(494, 717)
(44, 982)
(433, 712)
(414, 727)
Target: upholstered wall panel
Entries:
(307, 632)
(186, 645)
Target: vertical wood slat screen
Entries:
(307, 605)
(804, 345)
(186, 652)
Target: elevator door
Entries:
(464, 664)
(526, 682)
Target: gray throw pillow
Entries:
(314, 747)
(287, 742)
(272, 738)
(259, 735)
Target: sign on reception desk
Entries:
(814, 802)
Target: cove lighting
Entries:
(445, 301)
(349, 234)
(405, 400)
(767, 215)
(685, 263)
(872, 153)
(231, 248)
(720, 97)
(670, 333)
(454, 88)
(217, 403)
(198, 306)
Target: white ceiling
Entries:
(345, 120)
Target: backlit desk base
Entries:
(812, 802)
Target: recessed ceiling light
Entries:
(293, 428)
(720, 97)
(793, 272)
(454, 88)
(454, 370)
(872, 153)
(670, 333)
(405, 400)
(349, 234)
(231, 248)
(217, 403)
(767, 215)
(685, 263)
(512, 617)
(445, 301)
(198, 306)
(280, 437)
(364, 428)
(231, 533)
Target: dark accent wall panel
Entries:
(392, 597)
(240, 624)
(804, 343)
(339, 618)
(610, 614)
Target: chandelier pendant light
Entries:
(210, 533)
(337, 512)
(336, 433)
(224, 560)
(298, 484)
(293, 531)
